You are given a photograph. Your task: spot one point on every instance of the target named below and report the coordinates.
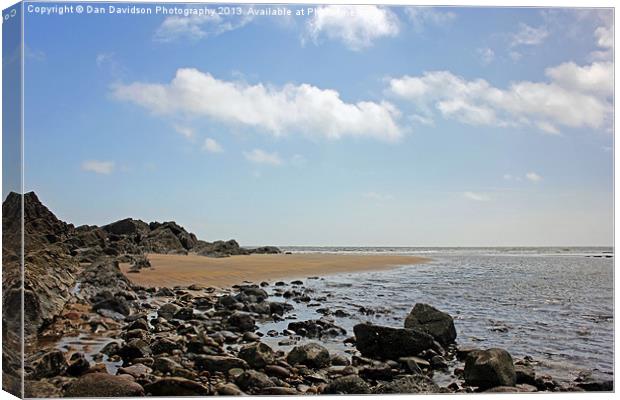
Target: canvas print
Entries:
(295, 199)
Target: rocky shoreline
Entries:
(92, 332)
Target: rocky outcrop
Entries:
(489, 368)
(383, 342)
(438, 324)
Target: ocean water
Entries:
(553, 304)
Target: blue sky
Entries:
(366, 126)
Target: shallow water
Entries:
(556, 308)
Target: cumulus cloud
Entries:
(529, 36)
(575, 96)
(476, 196)
(303, 108)
(421, 17)
(212, 146)
(195, 27)
(355, 26)
(98, 167)
(605, 41)
(533, 177)
(259, 156)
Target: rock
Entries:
(164, 345)
(438, 362)
(339, 359)
(219, 363)
(103, 385)
(165, 364)
(50, 364)
(257, 355)
(251, 380)
(595, 381)
(316, 328)
(127, 226)
(351, 384)
(175, 387)
(168, 310)
(277, 370)
(489, 368)
(312, 355)
(382, 342)
(242, 321)
(79, 365)
(135, 348)
(278, 391)
(229, 389)
(136, 370)
(428, 319)
(185, 314)
(525, 374)
(408, 384)
(266, 250)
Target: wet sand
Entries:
(180, 270)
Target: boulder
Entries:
(438, 324)
(489, 368)
(408, 384)
(103, 385)
(219, 363)
(49, 364)
(175, 387)
(382, 342)
(257, 355)
(252, 380)
(312, 355)
(127, 226)
(242, 321)
(351, 384)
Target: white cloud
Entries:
(355, 26)
(195, 27)
(98, 167)
(596, 78)
(212, 146)
(378, 196)
(574, 97)
(421, 17)
(508, 177)
(259, 156)
(529, 36)
(184, 131)
(604, 37)
(487, 55)
(533, 177)
(303, 108)
(476, 196)
(515, 55)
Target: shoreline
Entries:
(184, 270)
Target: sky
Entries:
(354, 126)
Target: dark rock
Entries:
(49, 364)
(229, 389)
(242, 321)
(164, 345)
(134, 348)
(316, 328)
(214, 363)
(436, 323)
(79, 365)
(136, 370)
(312, 355)
(382, 342)
(175, 387)
(351, 384)
(525, 374)
(252, 380)
(278, 391)
(168, 310)
(103, 385)
(489, 368)
(408, 384)
(277, 370)
(165, 364)
(594, 381)
(257, 355)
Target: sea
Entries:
(554, 304)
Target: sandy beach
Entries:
(183, 270)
